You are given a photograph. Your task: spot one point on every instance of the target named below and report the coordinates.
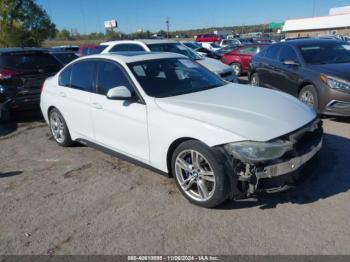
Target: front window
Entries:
(326, 53)
(175, 48)
(173, 76)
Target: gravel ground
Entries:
(81, 201)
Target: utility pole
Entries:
(167, 26)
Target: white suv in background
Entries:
(152, 45)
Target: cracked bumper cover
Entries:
(287, 167)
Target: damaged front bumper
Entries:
(280, 174)
(288, 166)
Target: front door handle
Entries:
(62, 94)
(96, 105)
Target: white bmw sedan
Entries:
(161, 110)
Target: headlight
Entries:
(258, 151)
(335, 83)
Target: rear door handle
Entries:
(96, 105)
(62, 94)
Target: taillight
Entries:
(7, 74)
(42, 87)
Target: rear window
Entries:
(66, 58)
(100, 48)
(28, 61)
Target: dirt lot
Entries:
(81, 201)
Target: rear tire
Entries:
(59, 128)
(200, 174)
(5, 115)
(254, 79)
(308, 95)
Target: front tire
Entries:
(237, 69)
(200, 174)
(308, 95)
(59, 128)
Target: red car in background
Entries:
(208, 38)
(241, 57)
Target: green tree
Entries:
(24, 23)
(64, 34)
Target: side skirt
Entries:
(121, 156)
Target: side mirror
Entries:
(119, 93)
(290, 63)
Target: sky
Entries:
(88, 15)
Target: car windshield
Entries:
(175, 48)
(192, 45)
(173, 76)
(214, 45)
(227, 49)
(326, 53)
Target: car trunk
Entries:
(27, 71)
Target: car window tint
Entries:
(110, 75)
(287, 53)
(65, 77)
(126, 47)
(249, 50)
(272, 52)
(83, 76)
(29, 61)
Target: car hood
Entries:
(339, 70)
(252, 113)
(213, 65)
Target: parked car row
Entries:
(150, 45)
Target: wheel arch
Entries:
(308, 83)
(303, 84)
(49, 110)
(172, 148)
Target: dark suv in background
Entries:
(22, 74)
(315, 70)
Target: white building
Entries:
(337, 23)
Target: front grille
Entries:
(305, 138)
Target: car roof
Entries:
(311, 41)
(60, 52)
(145, 41)
(131, 57)
(21, 49)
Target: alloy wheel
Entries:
(254, 81)
(57, 127)
(195, 175)
(308, 98)
(237, 69)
